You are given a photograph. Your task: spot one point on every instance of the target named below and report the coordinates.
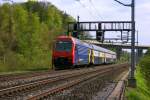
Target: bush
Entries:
(141, 92)
(145, 68)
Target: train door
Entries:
(89, 56)
(76, 55)
(102, 57)
(92, 56)
(105, 58)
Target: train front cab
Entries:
(63, 52)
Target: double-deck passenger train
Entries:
(70, 52)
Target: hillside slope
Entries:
(27, 31)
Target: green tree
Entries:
(5, 30)
(27, 32)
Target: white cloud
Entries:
(108, 10)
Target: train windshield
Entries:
(63, 46)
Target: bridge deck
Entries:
(125, 46)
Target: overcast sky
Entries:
(99, 10)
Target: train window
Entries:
(63, 46)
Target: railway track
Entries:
(18, 79)
(9, 77)
(69, 84)
(99, 73)
(55, 84)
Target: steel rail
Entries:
(34, 84)
(8, 77)
(71, 84)
(12, 90)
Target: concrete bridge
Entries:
(119, 47)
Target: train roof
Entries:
(89, 45)
(98, 48)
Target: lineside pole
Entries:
(132, 80)
(78, 26)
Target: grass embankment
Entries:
(141, 92)
(14, 66)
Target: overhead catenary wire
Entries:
(97, 11)
(84, 6)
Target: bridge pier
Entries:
(139, 54)
(118, 51)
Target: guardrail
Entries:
(118, 92)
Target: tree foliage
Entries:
(27, 31)
(145, 67)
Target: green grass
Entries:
(14, 72)
(15, 64)
(141, 92)
(24, 71)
